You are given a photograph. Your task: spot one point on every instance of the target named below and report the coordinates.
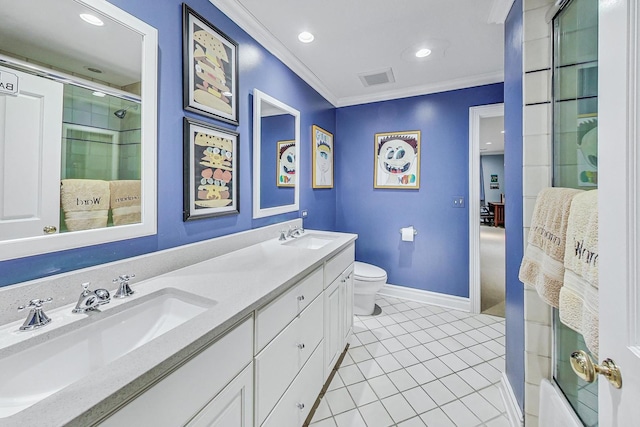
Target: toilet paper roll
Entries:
(407, 234)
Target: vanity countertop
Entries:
(239, 282)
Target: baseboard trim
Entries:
(516, 419)
(427, 297)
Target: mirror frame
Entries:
(258, 212)
(18, 248)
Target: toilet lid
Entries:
(367, 272)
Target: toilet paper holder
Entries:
(415, 232)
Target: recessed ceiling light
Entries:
(305, 37)
(488, 143)
(91, 19)
(423, 53)
(99, 94)
(501, 131)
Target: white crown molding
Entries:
(499, 11)
(245, 20)
(479, 80)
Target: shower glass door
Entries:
(575, 162)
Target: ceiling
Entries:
(353, 37)
(491, 135)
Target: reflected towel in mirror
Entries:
(85, 203)
(125, 201)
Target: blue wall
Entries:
(258, 69)
(513, 196)
(438, 259)
(272, 130)
(492, 165)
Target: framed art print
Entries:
(286, 163)
(322, 162)
(210, 69)
(210, 170)
(397, 160)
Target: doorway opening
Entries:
(486, 210)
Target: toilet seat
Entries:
(368, 273)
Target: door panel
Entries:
(30, 156)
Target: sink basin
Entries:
(310, 241)
(38, 371)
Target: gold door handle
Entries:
(49, 229)
(587, 370)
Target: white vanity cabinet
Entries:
(203, 391)
(338, 306)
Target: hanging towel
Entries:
(125, 202)
(579, 295)
(543, 262)
(85, 203)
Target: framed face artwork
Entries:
(211, 171)
(322, 163)
(397, 160)
(286, 164)
(210, 69)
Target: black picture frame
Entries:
(210, 69)
(211, 170)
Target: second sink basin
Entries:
(40, 370)
(310, 241)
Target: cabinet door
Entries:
(348, 305)
(233, 407)
(333, 319)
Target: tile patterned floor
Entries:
(418, 365)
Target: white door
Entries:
(619, 209)
(30, 141)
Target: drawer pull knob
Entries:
(301, 346)
(301, 298)
(300, 406)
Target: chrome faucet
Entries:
(124, 290)
(36, 318)
(91, 300)
(296, 231)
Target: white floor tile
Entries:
(419, 400)
(462, 326)
(350, 374)
(327, 422)
(489, 372)
(469, 357)
(465, 340)
(490, 332)
(501, 421)
(396, 329)
(422, 336)
(494, 346)
(339, 401)
(392, 344)
(370, 368)
(437, 368)
(398, 407)
(382, 333)
(399, 317)
(362, 393)
(482, 352)
(449, 329)
(376, 349)
(383, 386)
(371, 323)
(413, 422)
(350, 419)
(436, 348)
(388, 363)
(408, 340)
(359, 354)
(422, 353)
(420, 373)
(437, 418)
(402, 380)
(453, 362)
(411, 314)
(460, 414)
(474, 379)
(492, 395)
(480, 407)
(336, 383)
(423, 323)
(406, 358)
(438, 392)
(366, 337)
(451, 344)
(322, 411)
(457, 385)
(375, 415)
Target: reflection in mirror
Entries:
(78, 133)
(276, 156)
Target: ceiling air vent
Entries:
(377, 77)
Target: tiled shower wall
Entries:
(537, 168)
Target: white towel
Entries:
(579, 296)
(125, 202)
(85, 203)
(543, 262)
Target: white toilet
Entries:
(367, 281)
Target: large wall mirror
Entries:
(78, 106)
(276, 156)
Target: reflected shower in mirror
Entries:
(83, 116)
(276, 156)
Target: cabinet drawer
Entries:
(180, 395)
(298, 400)
(339, 263)
(271, 319)
(278, 364)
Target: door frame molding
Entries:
(475, 114)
